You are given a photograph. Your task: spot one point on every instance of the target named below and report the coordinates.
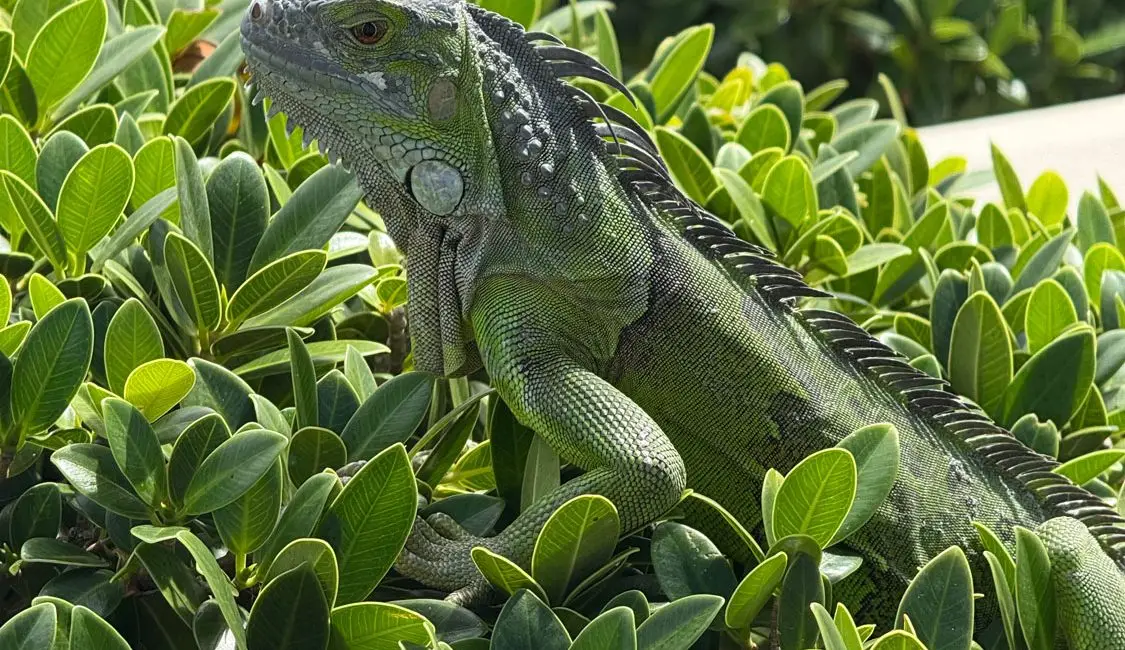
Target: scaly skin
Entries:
(626, 326)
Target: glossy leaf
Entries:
(93, 196)
(577, 539)
(980, 354)
(368, 523)
(231, 469)
(64, 51)
(816, 496)
(755, 590)
(51, 366)
(939, 602)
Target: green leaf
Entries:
(194, 114)
(245, 524)
(136, 450)
(194, 281)
(875, 450)
(131, 339)
(801, 587)
(231, 469)
(155, 166)
(686, 563)
(7, 41)
(1035, 597)
(310, 218)
(1009, 183)
(1049, 313)
(369, 522)
(525, 622)
(65, 50)
(37, 513)
(754, 591)
(816, 495)
(31, 629)
(88, 630)
(678, 69)
(359, 375)
(679, 624)
(274, 284)
(1044, 263)
(117, 55)
(195, 213)
(45, 296)
(789, 191)
(871, 256)
(48, 550)
(220, 585)
(185, 26)
(332, 287)
(607, 52)
(689, 167)
(299, 518)
(323, 353)
(313, 449)
(318, 555)
(95, 125)
(612, 628)
(871, 140)
(303, 375)
(52, 365)
(1054, 382)
(524, 12)
(1094, 224)
(1004, 597)
(389, 416)
(898, 640)
(577, 539)
(505, 575)
(17, 154)
(939, 602)
(1048, 198)
(239, 203)
(764, 127)
(92, 471)
(156, 386)
(379, 626)
(221, 391)
(1089, 466)
(37, 218)
(980, 353)
(749, 206)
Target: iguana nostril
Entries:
(256, 11)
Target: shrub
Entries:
(204, 333)
(951, 59)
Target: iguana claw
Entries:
(438, 553)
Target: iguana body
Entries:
(628, 327)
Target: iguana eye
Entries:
(371, 32)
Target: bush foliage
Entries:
(204, 334)
(952, 59)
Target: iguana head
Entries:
(383, 85)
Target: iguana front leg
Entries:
(535, 365)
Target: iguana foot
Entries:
(438, 553)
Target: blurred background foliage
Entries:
(951, 59)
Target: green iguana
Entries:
(632, 330)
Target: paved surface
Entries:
(1078, 141)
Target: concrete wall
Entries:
(1078, 141)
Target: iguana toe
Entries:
(438, 553)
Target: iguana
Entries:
(632, 330)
